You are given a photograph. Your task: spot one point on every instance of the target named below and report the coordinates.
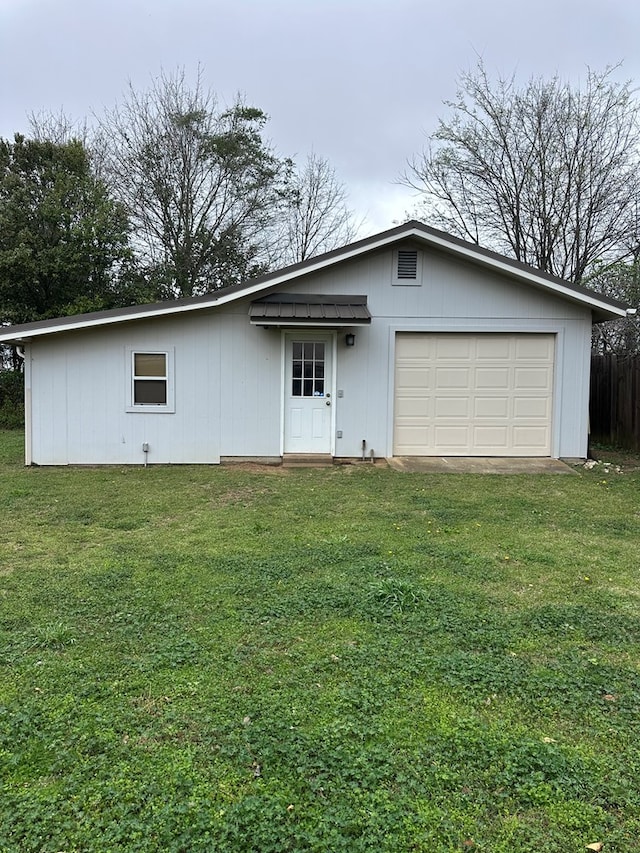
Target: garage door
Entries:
(473, 395)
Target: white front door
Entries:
(308, 392)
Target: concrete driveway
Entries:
(478, 465)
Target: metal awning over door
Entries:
(301, 309)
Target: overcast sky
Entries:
(361, 82)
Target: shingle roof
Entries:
(603, 307)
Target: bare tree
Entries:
(199, 182)
(315, 217)
(58, 128)
(620, 281)
(548, 174)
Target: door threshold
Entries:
(307, 460)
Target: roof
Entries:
(279, 309)
(603, 307)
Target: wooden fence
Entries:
(614, 408)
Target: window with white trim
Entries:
(151, 381)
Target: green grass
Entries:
(221, 659)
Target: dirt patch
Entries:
(244, 496)
(627, 461)
(258, 468)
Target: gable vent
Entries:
(407, 263)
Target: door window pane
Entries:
(307, 369)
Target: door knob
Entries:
(328, 403)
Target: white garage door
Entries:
(473, 395)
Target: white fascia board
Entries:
(530, 277)
(465, 251)
(273, 281)
(77, 324)
(462, 251)
(312, 268)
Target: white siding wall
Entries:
(80, 388)
(228, 395)
(250, 386)
(456, 297)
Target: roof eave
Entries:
(522, 272)
(602, 308)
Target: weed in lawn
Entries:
(391, 596)
(54, 635)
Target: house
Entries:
(408, 343)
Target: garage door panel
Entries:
(448, 378)
(452, 407)
(414, 438)
(448, 348)
(456, 437)
(494, 378)
(491, 407)
(535, 347)
(473, 394)
(491, 347)
(532, 407)
(530, 437)
(490, 438)
(408, 344)
(412, 407)
(532, 377)
(413, 378)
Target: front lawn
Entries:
(351, 659)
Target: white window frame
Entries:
(150, 408)
(407, 282)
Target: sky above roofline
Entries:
(360, 82)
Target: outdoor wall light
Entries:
(350, 339)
